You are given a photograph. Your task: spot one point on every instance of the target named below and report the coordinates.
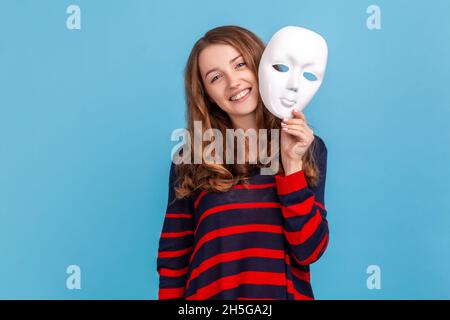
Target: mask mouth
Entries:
(287, 103)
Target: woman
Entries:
(229, 231)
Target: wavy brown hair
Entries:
(221, 177)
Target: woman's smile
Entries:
(241, 95)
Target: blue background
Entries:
(86, 117)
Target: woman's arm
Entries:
(303, 208)
(175, 245)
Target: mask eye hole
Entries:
(309, 76)
(281, 67)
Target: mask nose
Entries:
(293, 81)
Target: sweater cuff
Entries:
(291, 183)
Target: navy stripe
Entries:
(175, 244)
(173, 263)
(295, 223)
(306, 249)
(172, 282)
(302, 287)
(239, 217)
(252, 291)
(234, 267)
(295, 197)
(211, 200)
(237, 242)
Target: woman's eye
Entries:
(214, 78)
(241, 64)
(309, 76)
(281, 67)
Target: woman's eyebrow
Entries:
(232, 60)
(215, 69)
(212, 70)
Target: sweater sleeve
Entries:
(175, 245)
(303, 209)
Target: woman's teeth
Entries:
(240, 95)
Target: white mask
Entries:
(291, 70)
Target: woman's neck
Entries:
(245, 122)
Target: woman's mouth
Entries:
(241, 96)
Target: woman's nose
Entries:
(234, 80)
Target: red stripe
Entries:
(200, 196)
(175, 234)
(320, 205)
(232, 206)
(236, 230)
(299, 237)
(299, 209)
(255, 186)
(297, 295)
(165, 272)
(230, 282)
(303, 275)
(171, 293)
(178, 215)
(291, 183)
(234, 255)
(313, 256)
(173, 254)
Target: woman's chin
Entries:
(246, 110)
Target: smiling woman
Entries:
(229, 231)
(230, 83)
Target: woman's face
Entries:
(228, 80)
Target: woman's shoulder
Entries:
(174, 179)
(320, 148)
(175, 176)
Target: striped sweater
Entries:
(253, 242)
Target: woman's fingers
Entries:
(299, 122)
(295, 121)
(299, 118)
(304, 134)
(298, 127)
(295, 131)
(302, 139)
(299, 115)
